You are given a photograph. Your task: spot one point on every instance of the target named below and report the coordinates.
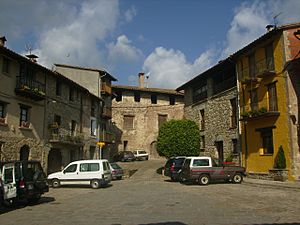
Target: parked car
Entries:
(173, 167)
(116, 171)
(205, 169)
(23, 180)
(95, 173)
(125, 156)
(141, 155)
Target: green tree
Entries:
(280, 161)
(178, 137)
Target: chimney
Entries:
(141, 80)
(270, 27)
(32, 57)
(2, 41)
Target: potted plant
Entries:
(279, 172)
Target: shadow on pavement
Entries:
(23, 203)
(165, 223)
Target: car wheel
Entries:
(203, 179)
(55, 183)
(237, 178)
(95, 184)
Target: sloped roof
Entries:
(87, 68)
(152, 90)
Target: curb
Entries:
(276, 184)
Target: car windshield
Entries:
(142, 152)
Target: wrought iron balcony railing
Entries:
(30, 88)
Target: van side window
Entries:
(8, 176)
(71, 169)
(89, 167)
(201, 162)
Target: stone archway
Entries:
(24, 152)
(54, 161)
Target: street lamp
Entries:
(297, 34)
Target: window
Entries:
(58, 87)
(71, 168)
(24, 117)
(200, 92)
(272, 97)
(119, 96)
(233, 104)
(161, 120)
(93, 108)
(2, 110)
(267, 140)
(137, 96)
(128, 122)
(201, 162)
(89, 167)
(6, 65)
(8, 175)
(254, 100)
(251, 61)
(105, 166)
(71, 94)
(172, 100)
(269, 57)
(93, 127)
(202, 142)
(153, 99)
(73, 127)
(202, 119)
(235, 150)
(57, 119)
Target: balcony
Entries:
(224, 85)
(63, 136)
(30, 88)
(105, 89)
(107, 113)
(261, 69)
(262, 113)
(106, 137)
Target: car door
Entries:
(9, 181)
(70, 174)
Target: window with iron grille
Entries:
(24, 116)
(235, 149)
(233, 104)
(73, 127)
(128, 122)
(202, 119)
(267, 140)
(272, 97)
(2, 110)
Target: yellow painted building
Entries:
(269, 90)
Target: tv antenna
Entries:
(28, 47)
(275, 18)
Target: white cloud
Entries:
(169, 68)
(123, 51)
(130, 14)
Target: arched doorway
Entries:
(24, 153)
(54, 161)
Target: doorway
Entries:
(54, 161)
(220, 149)
(24, 153)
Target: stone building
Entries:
(44, 115)
(98, 83)
(22, 106)
(211, 101)
(138, 112)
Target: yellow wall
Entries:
(255, 161)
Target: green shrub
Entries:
(280, 161)
(179, 137)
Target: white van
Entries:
(95, 173)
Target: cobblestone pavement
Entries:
(149, 198)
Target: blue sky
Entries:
(172, 41)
